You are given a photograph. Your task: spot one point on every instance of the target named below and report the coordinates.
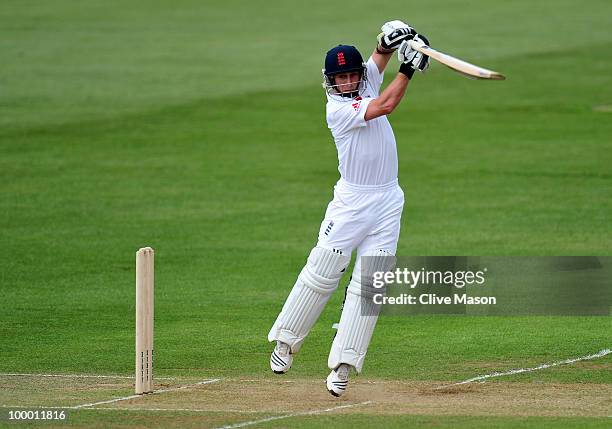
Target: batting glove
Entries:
(393, 34)
(415, 59)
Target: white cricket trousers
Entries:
(366, 218)
(363, 218)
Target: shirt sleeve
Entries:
(347, 116)
(375, 78)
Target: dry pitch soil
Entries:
(247, 399)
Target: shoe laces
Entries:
(343, 372)
(282, 349)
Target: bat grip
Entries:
(416, 45)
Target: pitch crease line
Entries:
(77, 376)
(286, 416)
(597, 355)
(125, 398)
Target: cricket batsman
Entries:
(366, 209)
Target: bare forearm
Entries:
(381, 58)
(394, 92)
(388, 100)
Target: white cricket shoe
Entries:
(337, 380)
(280, 359)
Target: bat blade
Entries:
(460, 66)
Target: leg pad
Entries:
(359, 313)
(317, 281)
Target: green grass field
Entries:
(198, 128)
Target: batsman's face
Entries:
(347, 82)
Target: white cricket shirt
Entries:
(367, 153)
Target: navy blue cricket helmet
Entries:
(343, 59)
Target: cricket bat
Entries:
(467, 69)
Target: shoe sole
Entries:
(333, 393)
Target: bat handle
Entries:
(417, 45)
